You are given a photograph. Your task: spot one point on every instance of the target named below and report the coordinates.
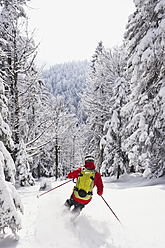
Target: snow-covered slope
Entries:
(139, 205)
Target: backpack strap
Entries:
(89, 193)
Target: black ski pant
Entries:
(77, 206)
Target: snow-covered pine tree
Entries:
(98, 98)
(10, 200)
(145, 43)
(115, 159)
(98, 51)
(94, 100)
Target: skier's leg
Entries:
(67, 204)
(78, 208)
(70, 202)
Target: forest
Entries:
(112, 107)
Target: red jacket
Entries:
(98, 181)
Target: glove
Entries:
(99, 193)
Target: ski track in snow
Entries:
(46, 225)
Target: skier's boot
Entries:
(67, 205)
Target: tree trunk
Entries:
(39, 170)
(118, 171)
(101, 156)
(56, 158)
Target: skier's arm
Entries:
(74, 174)
(99, 183)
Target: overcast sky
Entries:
(71, 29)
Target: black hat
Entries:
(89, 158)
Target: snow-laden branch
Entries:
(34, 140)
(38, 147)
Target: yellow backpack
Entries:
(84, 184)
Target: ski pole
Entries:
(53, 188)
(111, 209)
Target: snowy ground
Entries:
(139, 204)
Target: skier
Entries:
(87, 177)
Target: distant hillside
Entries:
(67, 79)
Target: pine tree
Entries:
(98, 51)
(10, 200)
(145, 45)
(115, 159)
(98, 98)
